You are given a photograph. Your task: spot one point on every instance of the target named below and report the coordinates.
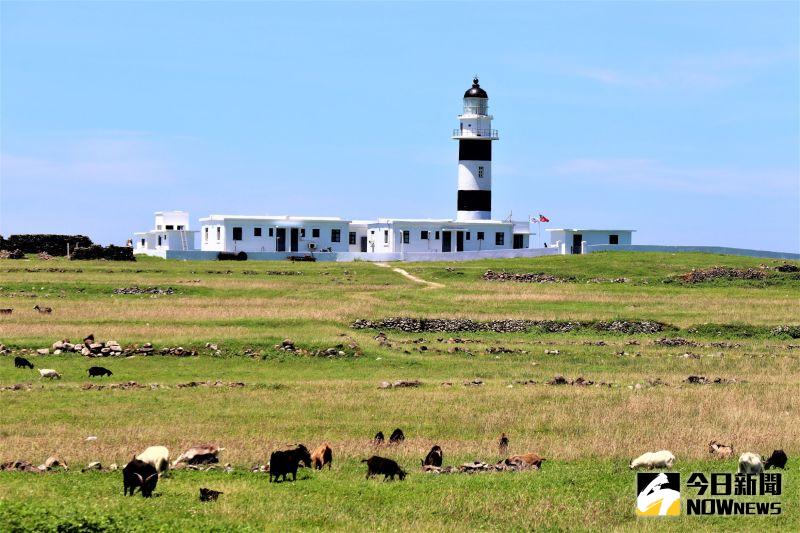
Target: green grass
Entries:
(587, 434)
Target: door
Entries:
(459, 241)
(447, 245)
(280, 239)
(364, 243)
(295, 238)
(576, 243)
(519, 241)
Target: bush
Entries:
(109, 253)
(232, 256)
(52, 244)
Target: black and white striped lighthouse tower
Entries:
(475, 136)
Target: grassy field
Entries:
(587, 434)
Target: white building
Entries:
(473, 232)
(171, 233)
(246, 233)
(574, 241)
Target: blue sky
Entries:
(677, 119)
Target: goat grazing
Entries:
(43, 310)
(158, 456)
(139, 474)
(286, 462)
(397, 436)
(777, 459)
(723, 451)
(750, 463)
(386, 467)
(322, 456)
(96, 371)
(434, 457)
(49, 373)
(650, 460)
(21, 362)
(378, 440)
(502, 445)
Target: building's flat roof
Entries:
(166, 231)
(272, 218)
(585, 229)
(437, 221)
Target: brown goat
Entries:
(502, 445)
(322, 456)
(43, 310)
(6, 311)
(723, 451)
(530, 460)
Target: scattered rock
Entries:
(530, 277)
(473, 383)
(399, 384)
(144, 290)
(674, 341)
(700, 275)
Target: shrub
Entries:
(52, 244)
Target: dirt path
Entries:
(412, 277)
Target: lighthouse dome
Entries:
(475, 91)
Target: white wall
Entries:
(395, 244)
(268, 243)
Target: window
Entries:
(336, 235)
(181, 228)
(613, 239)
(206, 233)
(436, 235)
(315, 233)
(237, 233)
(352, 237)
(406, 236)
(170, 226)
(256, 232)
(159, 240)
(302, 232)
(468, 235)
(480, 171)
(480, 235)
(218, 232)
(385, 236)
(271, 232)
(424, 235)
(142, 242)
(158, 227)
(499, 238)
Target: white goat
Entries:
(750, 463)
(158, 456)
(650, 460)
(49, 373)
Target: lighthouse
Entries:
(475, 136)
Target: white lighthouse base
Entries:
(474, 215)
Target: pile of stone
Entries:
(89, 347)
(178, 351)
(702, 380)
(529, 277)
(473, 383)
(399, 384)
(700, 275)
(44, 256)
(609, 280)
(791, 331)
(476, 467)
(144, 290)
(346, 349)
(52, 463)
(12, 254)
(4, 349)
(217, 383)
(577, 382)
(17, 386)
(500, 349)
(674, 341)
(128, 385)
(451, 325)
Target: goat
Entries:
(6, 311)
(434, 457)
(777, 459)
(49, 373)
(750, 463)
(322, 456)
(199, 455)
(397, 436)
(140, 474)
(43, 310)
(378, 440)
(502, 445)
(386, 467)
(286, 462)
(650, 460)
(158, 456)
(209, 495)
(21, 362)
(528, 460)
(99, 371)
(723, 451)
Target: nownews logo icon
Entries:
(658, 494)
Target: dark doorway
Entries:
(519, 241)
(459, 241)
(364, 243)
(576, 243)
(295, 237)
(447, 245)
(280, 239)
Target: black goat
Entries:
(21, 362)
(99, 371)
(383, 466)
(777, 459)
(139, 474)
(397, 436)
(286, 462)
(378, 440)
(209, 495)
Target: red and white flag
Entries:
(543, 218)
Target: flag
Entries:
(543, 218)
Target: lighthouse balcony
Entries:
(476, 134)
